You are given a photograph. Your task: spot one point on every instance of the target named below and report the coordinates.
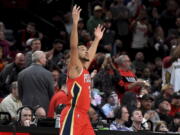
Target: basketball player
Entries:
(74, 118)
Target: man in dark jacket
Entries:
(10, 73)
(36, 83)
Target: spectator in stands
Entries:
(139, 64)
(146, 75)
(97, 121)
(84, 36)
(2, 63)
(60, 97)
(161, 127)
(95, 19)
(97, 62)
(175, 103)
(55, 55)
(130, 104)
(140, 28)
(164, 107)
(81, 27)
(96, 97)
(158, 70)
(35, 44)
(7, 32)
(149, 114)
(25, 117)
(39, 112)
(121, 117)
(150, 119)
(68, 22)
(128, 80)
(36, 83)
(56, 76)
(175, 123)
(155, 18)
(137, 119)
(120, 16)
(159, 46)
(4, 46)
(107, 43)
(176, 30)
(10, 73)
(134, 6)
(23, 35)
(169, 15)
(11, 103)
(107, 76)
(167, 91)
(146, 103)
(109, 107)
(93, 115)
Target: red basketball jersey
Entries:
(79, 91)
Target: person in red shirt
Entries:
(129, 81)
(59, 98)
(74, 118)
(175, 104)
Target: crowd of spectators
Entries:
(135, 72)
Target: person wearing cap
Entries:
(95, 19)
(109, 107)
(35, 45)
(146, 103)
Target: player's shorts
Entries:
(75, 122)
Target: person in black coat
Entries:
(10, 72)
(36, 83)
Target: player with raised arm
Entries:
(74, 118)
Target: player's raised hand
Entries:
(76, 13)
(99, 31)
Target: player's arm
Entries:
(98, 33)
(74, 66)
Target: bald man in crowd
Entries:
(36, 83)
(10, 73)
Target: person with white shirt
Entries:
(109, 107)
(11, 103)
